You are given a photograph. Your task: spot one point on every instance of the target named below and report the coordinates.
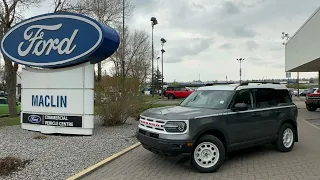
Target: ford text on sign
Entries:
(59, 40)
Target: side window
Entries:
(3, 101)
(170, 88)
(283, 96)
(180, 88)
(244, 97)
(265, 98)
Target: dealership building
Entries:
(302, 51)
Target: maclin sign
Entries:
(49, 101)
(59, 51)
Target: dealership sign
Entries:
(58, 96)
(59, 40)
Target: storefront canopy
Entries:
(302, 51)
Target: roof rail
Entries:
(260, 82)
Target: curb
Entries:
(94, 167)
(318, 128)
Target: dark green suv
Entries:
(215, 120)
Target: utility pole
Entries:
(240, 61)
(123, 43)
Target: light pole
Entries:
(123, 45)
(240, 61)
(154, 21)
(162, 51)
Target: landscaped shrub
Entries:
(10, 164)
(119, 100)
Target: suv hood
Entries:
(179, 112)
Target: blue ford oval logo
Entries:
(57, 40)
(34, 119)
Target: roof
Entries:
(229, 87)
(244, 86)
(259, 85)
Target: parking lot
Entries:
(263, 162)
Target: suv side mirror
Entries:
(240, 107)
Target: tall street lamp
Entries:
(154, 21)
(162, 51)
(122, 43)
(240, 61)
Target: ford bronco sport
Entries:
(215, 120)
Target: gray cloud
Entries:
(198, 6)
(229, 8)
(172, 59)
(251, 45)
(278, 65)
(191, 47)
(226, 46)
(256, 61)
(237, 32)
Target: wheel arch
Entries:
(294, 124)
(174, 96)
(218, 133)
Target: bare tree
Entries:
(10, 13)
(77, 6)
(137, 55)
(108, 12)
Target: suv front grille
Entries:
(152, 123)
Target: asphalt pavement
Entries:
(257, 163)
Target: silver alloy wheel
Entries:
(287, 138)
(206, 154)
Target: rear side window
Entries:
(170, 88)
(283, 96)
(265, 98)
(3, 101)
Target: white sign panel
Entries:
(52, 100)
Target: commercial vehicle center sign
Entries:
(59, 51)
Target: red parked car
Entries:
(177, 92)
(313, 100)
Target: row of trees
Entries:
(136, 44)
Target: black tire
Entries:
(311, 108)
(220, 147)
(171, 96)
(279, 144)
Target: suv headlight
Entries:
(175, 126)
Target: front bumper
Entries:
(313, 102)
(151, 142)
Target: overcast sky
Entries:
(205, 37)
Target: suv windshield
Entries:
(215, 99)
